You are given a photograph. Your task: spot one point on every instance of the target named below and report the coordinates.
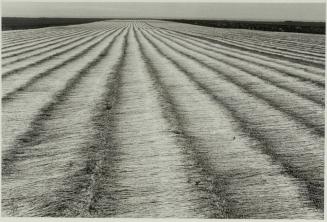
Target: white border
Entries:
(14, 219)
(181, 1)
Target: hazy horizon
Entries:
(169, 10)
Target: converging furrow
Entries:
(157, 119)
(65, 124)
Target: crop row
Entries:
(127, 119)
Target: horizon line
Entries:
(159, 18)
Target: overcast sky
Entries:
(243, 11)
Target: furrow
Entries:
(302, 110)
(240, 43)
(289, 51)
(16, 69)
(29, 40)
(51, 33)
(293, 48)
(224, 150)
(18, 83)
(275, 63)
(162, 119)
(279, 79)
(198, 172)
(17, 116)
(51, 42)
(102, 166)
(29, 35)
(60, 145)
(297, 73)
(311, 60)
(249, 49)
(291, 40)
(27, 55)
(298, 49)
(158, 188)
(21, 46)
(19, 56)
(298, 150)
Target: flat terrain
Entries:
(19, 23)
(283, 26)
(162, 119)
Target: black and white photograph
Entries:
(163, 109)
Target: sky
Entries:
(234, 10)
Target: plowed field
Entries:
(162, 119)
